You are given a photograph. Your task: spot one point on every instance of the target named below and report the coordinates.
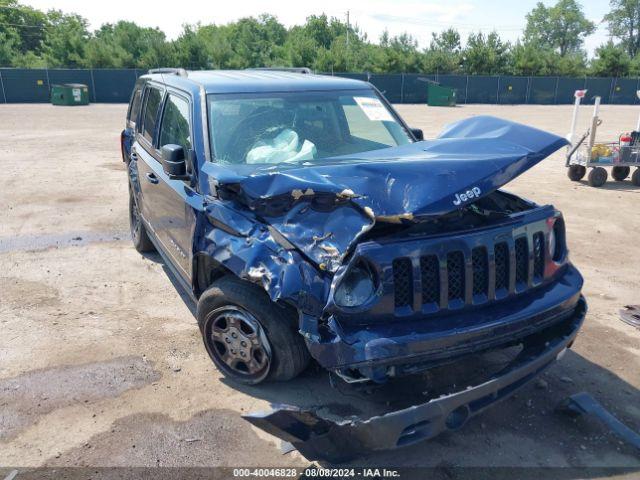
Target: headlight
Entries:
(552, 244)
(356, 287)
(557, 241)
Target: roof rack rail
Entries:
(170, 71)
(305, 70)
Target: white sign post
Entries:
(578, 95)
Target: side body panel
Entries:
(170, 208)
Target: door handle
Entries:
(134, 155)
(151, 178)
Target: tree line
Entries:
(552, 43)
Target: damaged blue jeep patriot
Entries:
(309, 221)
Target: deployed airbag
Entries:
(284, 147)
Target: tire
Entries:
(597, 177)
(233, 311)
(620, 173)
(576, 172)
(139, 236)
(635, 178)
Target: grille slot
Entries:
(522, 260)
(538, 255)
(480, 263)
(402, 282)
(455, 268)
(430, 278)
(501, 252)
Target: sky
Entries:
(419, 18)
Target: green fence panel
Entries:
(458, 83)
(390, 86)
(542, 90)
(356, 76)
(624, 91)
(482, 89)
(513, 90)
(113, 86)
(415, 87)
(25, 85)
(599, 87)
(567, 87)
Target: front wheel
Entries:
(635, 178)
(249, 338)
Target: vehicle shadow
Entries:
(184, 296)
(624, 186)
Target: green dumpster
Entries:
(440, 96)
(70, 94)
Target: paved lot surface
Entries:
(101, 361)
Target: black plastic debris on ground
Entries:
(631, 314)
(583, 403)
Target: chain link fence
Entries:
(502, 89)
(34, 85)
(115, 85)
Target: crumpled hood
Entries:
(322, 208)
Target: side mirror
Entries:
(417, 133)
(173, 162)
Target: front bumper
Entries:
(335, 441)
(379, 351)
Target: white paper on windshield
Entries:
(374, 109)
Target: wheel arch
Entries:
(207, 270)
(248, 251)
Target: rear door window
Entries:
(151, 105)
(175, 128)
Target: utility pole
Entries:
(348, 28)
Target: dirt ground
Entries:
(101, 360)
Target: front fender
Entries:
(250, 250)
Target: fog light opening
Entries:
(457, 418)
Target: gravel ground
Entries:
(101, 361)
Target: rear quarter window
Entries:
(134, 107)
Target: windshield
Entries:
(300, 127)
